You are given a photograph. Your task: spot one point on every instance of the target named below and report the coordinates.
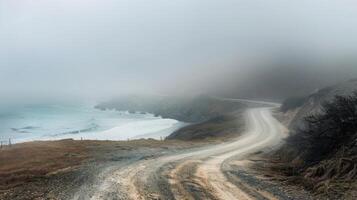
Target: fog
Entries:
(102, 48)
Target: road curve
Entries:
(264, 131)
(197, 174)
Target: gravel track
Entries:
(202, 173)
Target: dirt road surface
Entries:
(194, 174)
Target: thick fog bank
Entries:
(97, 49)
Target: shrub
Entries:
(331, 128)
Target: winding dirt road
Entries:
(194, 174)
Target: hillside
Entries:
(321, 152)
(186, 109)
(297, 108)
(223, 126)
(207, 117)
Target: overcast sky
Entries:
(101, 47)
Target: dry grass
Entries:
(22, 162)
(223, 127)
(26, 162)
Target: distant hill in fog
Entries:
(286, 80)
(186, 109)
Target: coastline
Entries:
(91, 124)
(58, 169)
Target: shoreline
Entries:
(59, 168)
(146, 127)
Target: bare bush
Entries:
(332, 128)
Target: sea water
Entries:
(55, 121)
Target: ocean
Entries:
(79, 121)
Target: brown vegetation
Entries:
(22, 162)
(49, 169)
(323, 155)
(221, 127)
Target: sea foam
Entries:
(54, 122)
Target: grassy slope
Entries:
(224, 126)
